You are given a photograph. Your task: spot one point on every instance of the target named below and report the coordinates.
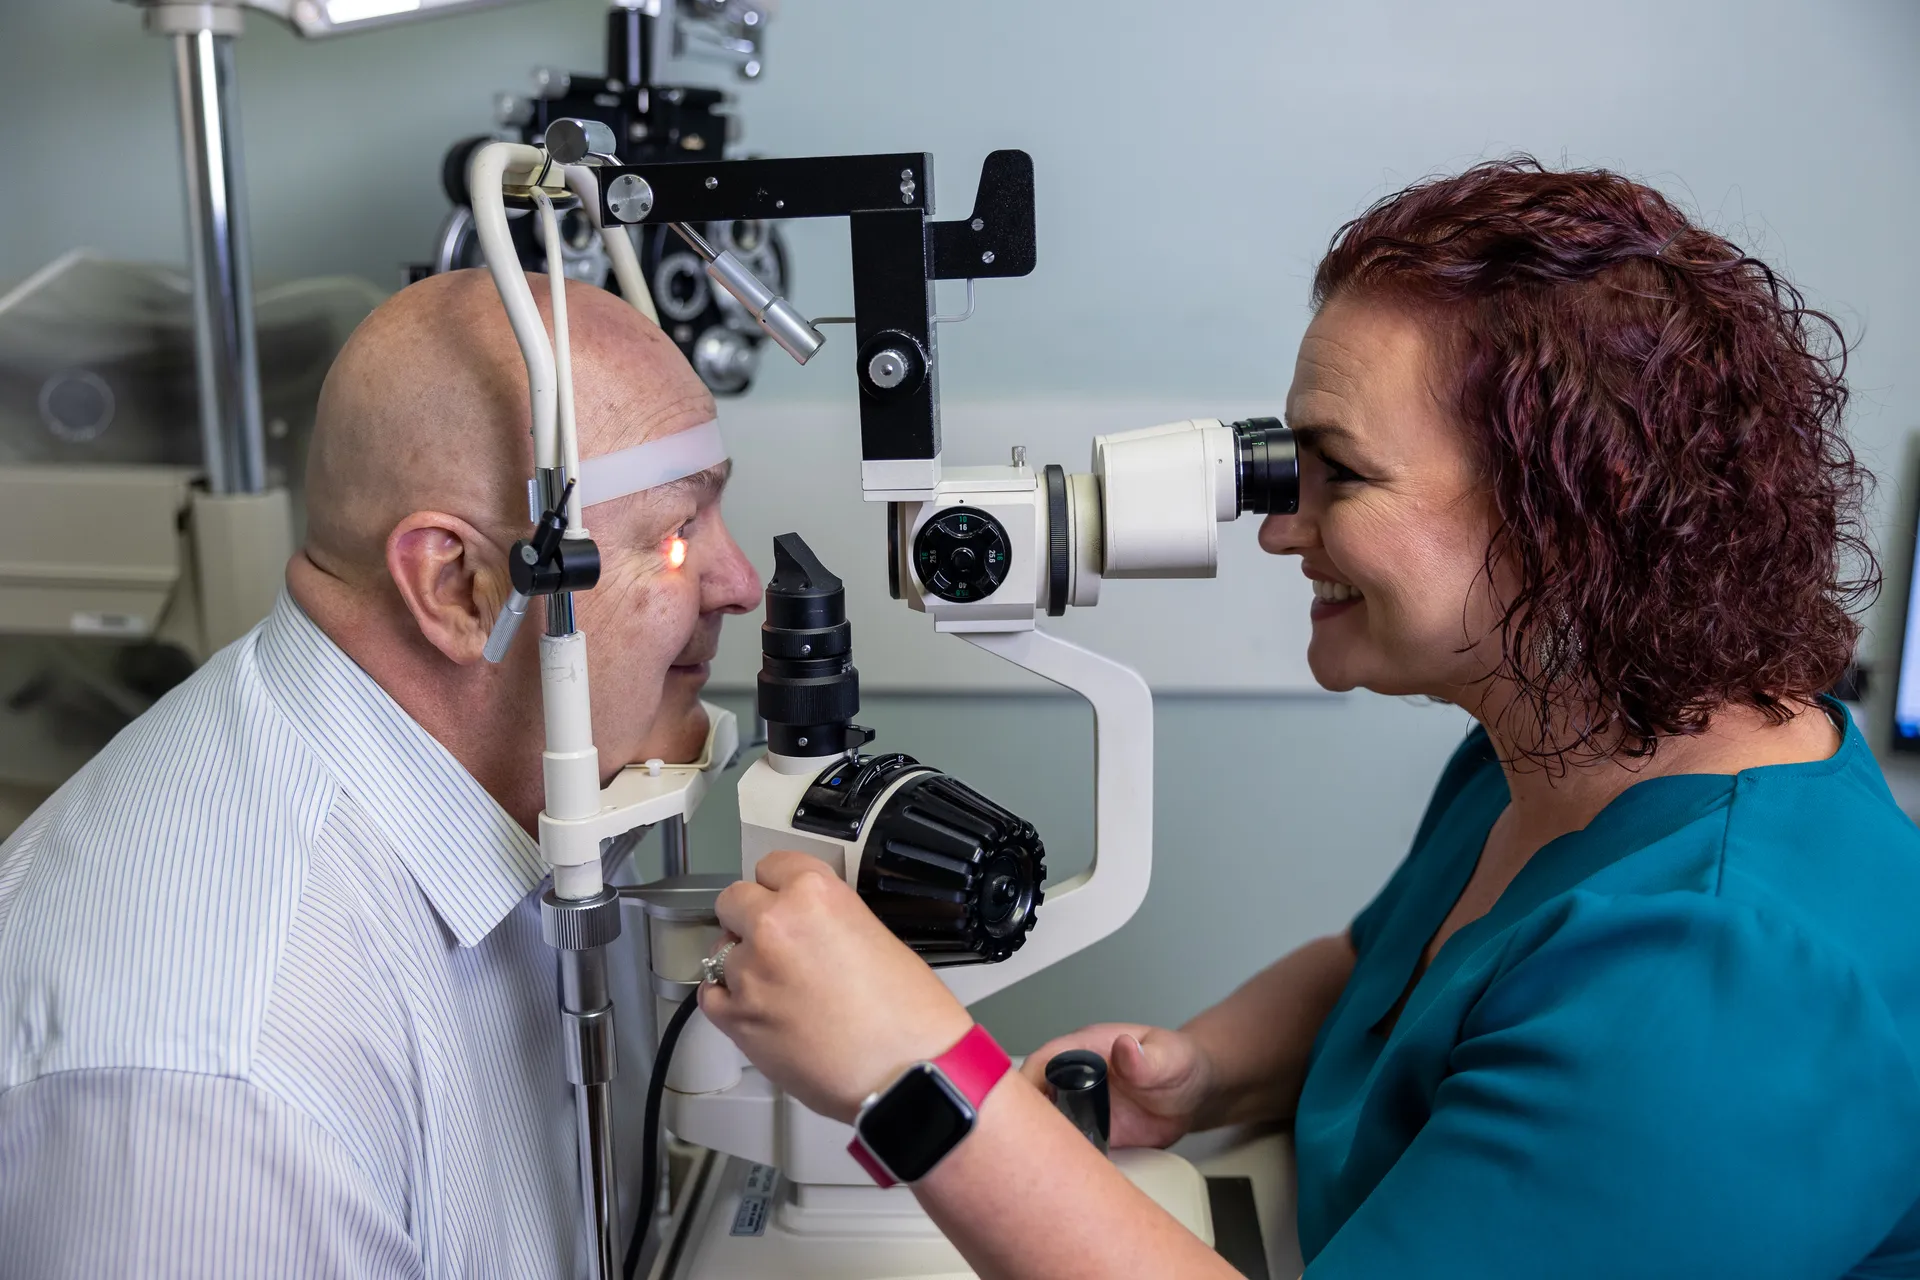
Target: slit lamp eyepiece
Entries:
(1267, 467)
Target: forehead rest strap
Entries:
(645, 466)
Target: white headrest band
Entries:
(646, 466)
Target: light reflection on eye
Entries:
(676, 552)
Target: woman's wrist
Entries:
(993, 1115)
(1257, 1042)
(1222, 1098)
(945, 1029)
(1025, 1194)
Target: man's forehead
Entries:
(643, 421)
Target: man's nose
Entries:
(729, 583)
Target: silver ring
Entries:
(714, 968)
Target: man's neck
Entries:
(467, 710)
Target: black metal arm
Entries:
(898, 252)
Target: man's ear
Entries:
(452, 578)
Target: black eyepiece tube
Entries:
(1268, 473)
(809, 691)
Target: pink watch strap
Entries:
(974, 1065)
(864, 1158)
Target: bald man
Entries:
(273, 996)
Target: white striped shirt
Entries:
(274, 1001)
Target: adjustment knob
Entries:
(955, 876)
(961, 555)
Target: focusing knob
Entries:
(961, 555)
(955, 876)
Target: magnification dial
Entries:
(961, 555)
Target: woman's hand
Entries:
(826, 1002)
(1157, 1080)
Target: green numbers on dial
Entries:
(961, 555)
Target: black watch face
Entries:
(915, 1122)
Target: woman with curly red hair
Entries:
(1644, 998)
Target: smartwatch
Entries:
(907, 1128)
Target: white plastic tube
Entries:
(488, 169)
(626, 269)
(570, 763)
(562, 359)
(585, 183)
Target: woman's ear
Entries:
(452, 578)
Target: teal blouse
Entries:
(1683, 1042)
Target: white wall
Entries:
(1192, 161)
(1190, 167)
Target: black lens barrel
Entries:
(809, 691)
(952, 874)
(1268, 471)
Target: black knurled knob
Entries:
(954, 875)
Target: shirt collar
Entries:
(470, 858)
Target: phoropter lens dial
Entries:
(961, 555)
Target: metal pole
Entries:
(674, 861)
(587, 1011)
(581, 930)
(218, 254)
(673, 846)
(630, 36)
(593, 1103)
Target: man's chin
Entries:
(679, 731)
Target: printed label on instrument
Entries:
(107, 624)
(756, 1201)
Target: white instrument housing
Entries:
(1165, 492)
(1151, 506)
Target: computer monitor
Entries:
(1906, 695)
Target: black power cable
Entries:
(650, 1154)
